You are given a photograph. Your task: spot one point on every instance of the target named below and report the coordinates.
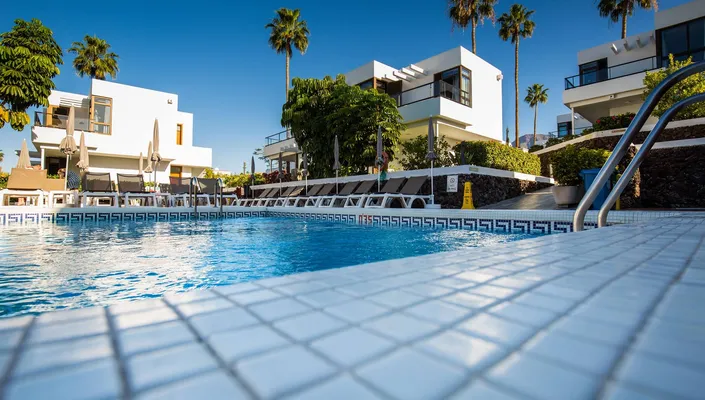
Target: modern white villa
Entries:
(610, 76)
(461, 91)
(118, 122)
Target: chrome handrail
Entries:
(621, 148)
(219, 194)
(193, 186)
(641, 154)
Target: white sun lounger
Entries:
(408, 195)
(300, 201)
(331, 200)
(357, 199)
(315, 201)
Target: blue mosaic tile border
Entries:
(504, 225)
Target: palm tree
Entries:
(616, 9)
(287, 32)
(94, 59)
(472, 12)
(536, 94)
(516, 25)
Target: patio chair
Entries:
(208, 189)
(254, 200)
(408, 195)
(300, 200)
(291, 191)
(270, 197)
(27, 184)
(133, 186)
(332, 200)
(179, 191)
(357, 198)
(315, 200)
(99, 186)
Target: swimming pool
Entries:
(53, 266)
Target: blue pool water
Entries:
(52, 266)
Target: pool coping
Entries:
(603, 313)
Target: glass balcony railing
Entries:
(613, 72)
(54, 120)
(428, 91)
(275, 138)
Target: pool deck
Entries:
(611, 313)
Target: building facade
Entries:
(610, 76)
(461, 91)
(118, 121)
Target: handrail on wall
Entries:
(626, 140)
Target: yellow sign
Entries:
(467, 197)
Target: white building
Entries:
(610, 76)
(461, 91)
(118, 121)
(567, 124)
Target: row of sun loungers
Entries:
(400, 192)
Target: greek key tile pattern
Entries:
(606, 313)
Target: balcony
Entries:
(58, 121)
(613, 72)
(432, 90)
(279, 143)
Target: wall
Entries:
(676, 15)
(624, 55)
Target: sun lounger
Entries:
(179, 192)
(269, 198)
(251, 202)
(408, 195)
(292, 191)
(338, 200)
(99, 186)
(208, 190)
(132, 186)
(315, 200)
(26, 184)
(357, 198)
(300, 201)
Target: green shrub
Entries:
(535, 147)
(3, 179)
(690, 86)
(499, 156)
(568, 162)
(414, 153)
(610, 122)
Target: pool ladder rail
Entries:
(621, 147)
(195, 188)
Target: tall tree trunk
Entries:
(474, 45)
(516, 92)
(624, 25)
(536, 113)
(288, 131)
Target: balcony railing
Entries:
(53, 120)
(615, 71)
(428, 91)
(276, 138)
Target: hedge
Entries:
(3, 179)
(568, 162)
(499, 156)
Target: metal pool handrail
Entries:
(193, 184)
(626, 140)
(641, 154)
(219, 193)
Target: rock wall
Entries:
(486, 189)
(668, 178)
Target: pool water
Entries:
(53, 266)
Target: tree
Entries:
(2, 156)
(471, 12)
(259, 153)
(29, 61)
(94, 59)
(414, 153)
(616, 9)
(689, 86)
(287, 33)
(514, 26)
(320, 109)
(536, 94)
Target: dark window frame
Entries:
(662, 59)
(568, 128)
(598, 67)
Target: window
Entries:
(368, 84)
(381, 86)
(592, 72)
(466, 87)
(683, 41)
(101, 114)
(564, 128)
(179, 134)
(175, 171)
(57, 116)
(454, 84)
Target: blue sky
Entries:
(216, 56)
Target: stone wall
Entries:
(486, 189)
(668, 178)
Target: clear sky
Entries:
(215, 56)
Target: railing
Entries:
(276, 138)
(53, 120)
(428, 91)
(621, 147)
(615, 71)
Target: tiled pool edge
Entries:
(615, 301)
(514, 221)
